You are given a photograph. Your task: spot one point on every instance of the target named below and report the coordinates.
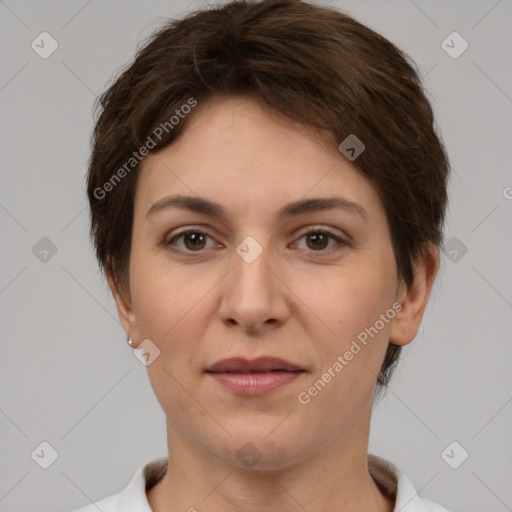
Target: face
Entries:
(254, 283)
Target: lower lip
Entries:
(255, 383)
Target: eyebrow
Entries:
(204, 206)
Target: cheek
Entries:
(351, 299)
(349, 360)
(164, 296)
(171, 313)
(351, 306)
(174, 309)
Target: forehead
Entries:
(243, 152)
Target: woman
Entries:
(267, 192)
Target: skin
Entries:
(302, 300)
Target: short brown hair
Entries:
(313, 63)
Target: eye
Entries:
(194, 240)
(318, 239)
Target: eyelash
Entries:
(341, 243)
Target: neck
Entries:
(332, 479)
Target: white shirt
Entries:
(386, 475)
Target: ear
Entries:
(415, 298)
(124, 308)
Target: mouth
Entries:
(254, 377)
(259, 365)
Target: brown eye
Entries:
(194, 240)
(317, 240)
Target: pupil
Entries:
(318, 236)
(195, 239)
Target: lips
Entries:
(259, 365)
(254, 377)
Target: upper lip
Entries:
(243, 365)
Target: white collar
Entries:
(387, 476)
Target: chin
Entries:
(261, 449)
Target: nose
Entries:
(254, 295)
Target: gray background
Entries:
(67, 374)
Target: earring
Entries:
(130, 341)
